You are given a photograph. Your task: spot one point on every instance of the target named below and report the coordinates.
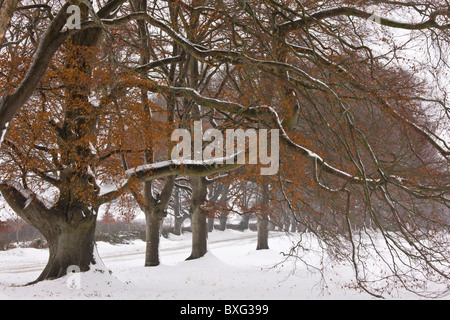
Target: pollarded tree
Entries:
(51, 142)
(154, 201)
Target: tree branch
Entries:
(353, 12)
(166, 169)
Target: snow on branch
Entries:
(252, 113)
(165, 169)
(353, 12)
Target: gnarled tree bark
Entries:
(69, 231)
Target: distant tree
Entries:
(179, 208)
(108, 218)
(16, 225)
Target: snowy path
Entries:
(182, 249)
(232, 270)
(112, 254)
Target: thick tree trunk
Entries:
(69, 231)
(153, 228)
(155, 212)
(199, 234)
(198, 218)
(70, 246)
(263, 232)
(263, 222)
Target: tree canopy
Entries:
(356, 89)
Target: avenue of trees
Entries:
(356, 89)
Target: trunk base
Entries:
(196, 256)
(70, 249)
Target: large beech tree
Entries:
(361, 136)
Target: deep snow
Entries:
(232, 270)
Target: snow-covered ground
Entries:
(232, 270)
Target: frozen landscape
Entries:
(114, 110)
(232, 270)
